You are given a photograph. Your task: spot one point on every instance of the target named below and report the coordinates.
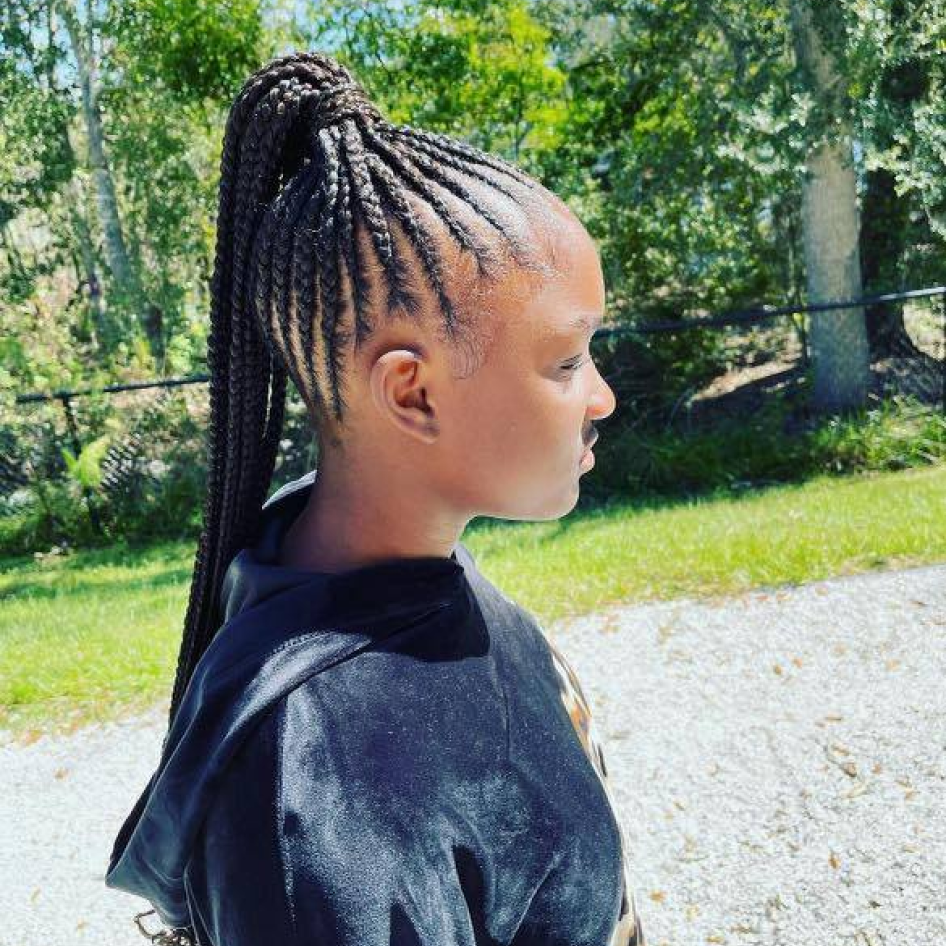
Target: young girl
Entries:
(369, 743)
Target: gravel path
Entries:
(778, 760)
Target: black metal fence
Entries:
(681, 376)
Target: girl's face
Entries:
(514, 435)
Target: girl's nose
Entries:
(603, 401)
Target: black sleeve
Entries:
(331, 870)
(234, 880)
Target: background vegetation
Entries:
(724, 154)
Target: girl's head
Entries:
(432, 304)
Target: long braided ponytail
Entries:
(313, 181)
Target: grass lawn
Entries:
(95, 634)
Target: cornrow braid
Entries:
(319, 197)
(412, 163)
(372, 211)
(328, 252)
(397, 162)
(354, 261)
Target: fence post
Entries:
(77, 449)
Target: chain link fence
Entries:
(122, 461)
(130, 459)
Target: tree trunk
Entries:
(831, 230)
(102, 324)
(838, 337)
(109, 217)
(884, 223)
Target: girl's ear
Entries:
(401, 390)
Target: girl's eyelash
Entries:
(574, 365)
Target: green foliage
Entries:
(194, 50)
(140, 476)
(86, 468)
(675, 130)
(667, 123)
(481, 71)
(649, 374)
(897, 434)
(767, 448)
(35, 157)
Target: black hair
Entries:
(313, 205)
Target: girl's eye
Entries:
(571, 366)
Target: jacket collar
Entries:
(254, 574)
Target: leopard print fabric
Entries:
(627, 930)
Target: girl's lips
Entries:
(588, 452)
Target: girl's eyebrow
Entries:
(586, 320)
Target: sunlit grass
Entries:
(91, 635)
(783, 534)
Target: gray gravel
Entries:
(777, 757)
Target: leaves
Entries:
(86, 468)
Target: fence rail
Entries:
(737, 317)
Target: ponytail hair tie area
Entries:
(333, 105)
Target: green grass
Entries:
(720, 544)
(94, 634)
(89, 636)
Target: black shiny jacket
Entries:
(392, 755)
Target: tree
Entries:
(831, 225)
(898, 69)
(115, 112)
(476, 69)
(699, 132)
(82, 42)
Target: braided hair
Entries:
(318, 204)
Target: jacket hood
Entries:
(279, 626)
